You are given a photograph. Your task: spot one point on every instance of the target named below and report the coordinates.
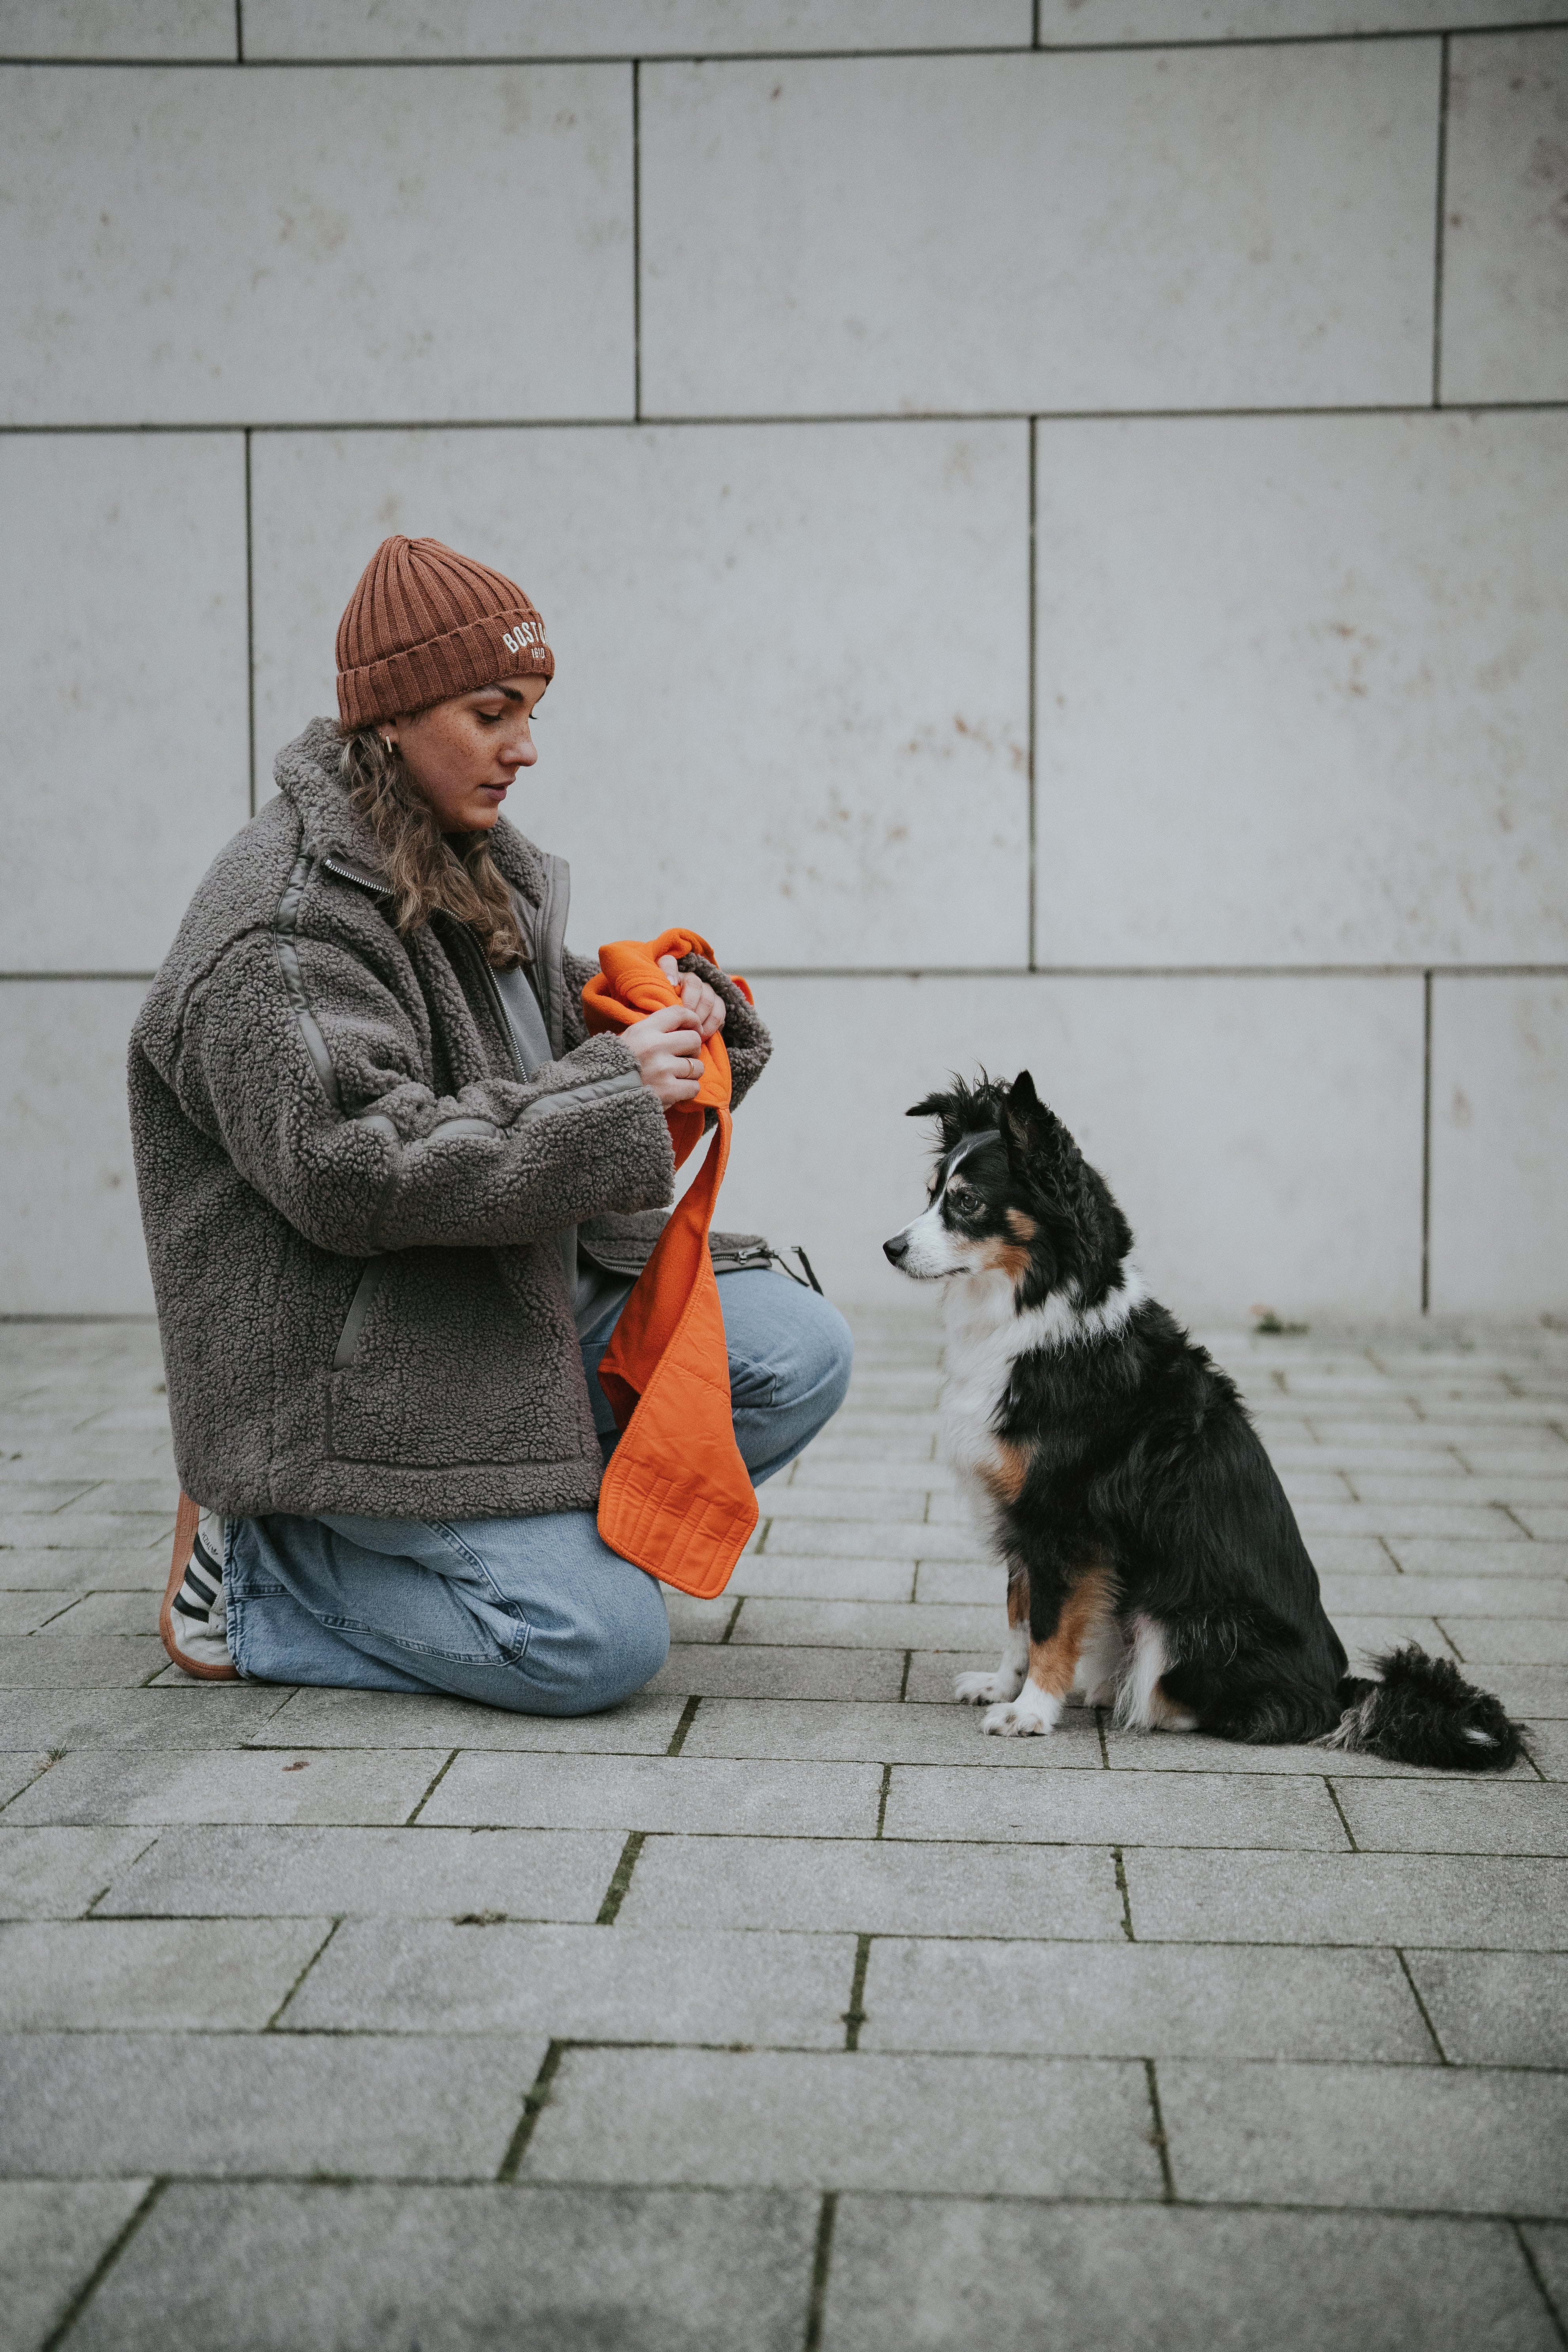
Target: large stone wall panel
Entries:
(327, 244)
(623, 28)
(1301, 691)
(1072, 22)
(170, 30)
(1505, 246)
(1500, 1144)
(1263, 1135)
(123, 692)
(791, 702)
(70, 1232)
(1185, 229)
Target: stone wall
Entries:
(1053, 544)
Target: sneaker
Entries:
(193, 1620)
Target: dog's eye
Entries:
(961, 1196)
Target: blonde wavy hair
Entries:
(430, 872)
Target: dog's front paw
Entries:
(1016, 1722)
(985, 1690)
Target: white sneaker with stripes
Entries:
(193, 1620)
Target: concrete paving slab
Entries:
(863, 1625)
(762, 1671)
(1548, 1523)
(1526, 1690)
(932, 1672)
(1477, 1817)
(1463, 2140)
(184, 1715)
(1442, 1556)
(87, 1531)
(1447, 1597)
(699, 1621)
(620, 1983)
(193, 1976)
(109, 1663)
(824, 1886)
(418, 1874)
(19, 1767)
(647, 1793)
(796, 1577)
(1194, 1751)
(1514, 1640)
(86, 2106)
(56, 1873)
(1496, 2009)
(116, 1612)
(1005, 2276)
(1460, 1904)
(24, 1612)
(277, 2267)
(384, 1719)
(91, 1786)
(1548, 2249)
(879, 1538)
(29, 1569)
(52, 2234)
(822, 1729)
(798, 2120)
(1130, 1808)
(1140, 2000)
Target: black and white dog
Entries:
(1153, 1564)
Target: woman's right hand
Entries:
(669, 1052)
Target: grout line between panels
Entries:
(1379, 37)
(1439, 241)
(249, 627)
(743, 420)
(1427, 1143)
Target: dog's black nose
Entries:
(897, 1250)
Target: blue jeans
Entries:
(536, 1615)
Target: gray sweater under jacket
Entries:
(351, 1195)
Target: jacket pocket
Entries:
(450, 1365)
(359, 1309)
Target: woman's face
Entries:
(465, 754)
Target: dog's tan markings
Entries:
(1018, 1598)
(1003, 1471)
(1010, 1258)
(1022, 1227)
(1053, 1665)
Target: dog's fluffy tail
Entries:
(1422, 1711)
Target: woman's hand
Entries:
(705, 1006)
(668, 1049)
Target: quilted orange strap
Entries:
(677, 1499)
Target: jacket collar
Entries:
(306, 771)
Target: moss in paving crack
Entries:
(687, 1717)
(615, 1893)
(533, 2107)
(855, 2015)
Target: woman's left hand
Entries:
(704, 1004)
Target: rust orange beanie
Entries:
(425, 624)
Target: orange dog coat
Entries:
(676, 1498)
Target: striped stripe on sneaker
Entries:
(193, 1620)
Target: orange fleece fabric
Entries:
(677, 1499)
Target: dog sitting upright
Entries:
(1153, 1564)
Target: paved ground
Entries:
(782, 2009)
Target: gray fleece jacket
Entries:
(351, 1195)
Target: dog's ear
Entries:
(1030, 1131)
(948, 1107)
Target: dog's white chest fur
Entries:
(982, 1338)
